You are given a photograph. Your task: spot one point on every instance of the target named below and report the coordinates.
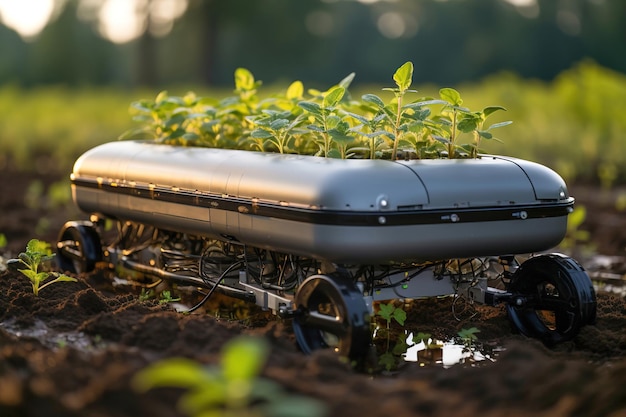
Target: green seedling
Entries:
(37, 254)
(233, 388)
(326, 120)
(399, 122)
(389, 312)
(468, 337)
(327, 123)
(146, 295)
(421, 337)
(166, 297)
(473, 122)
(3, 240)
(456, 119)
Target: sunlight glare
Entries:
(163, 13)
(26, 17)
(120, 21)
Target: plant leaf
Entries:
(36, 246)
(492, 109)
(311, 107)
(399, 315)
(244, 80)
(243, 357)
(175, 372)
(501, 124)
(468, 125)
(295, 90)
(484, 134)
(333, 97)
(279, 124)
(373, 99)
(404, 76)
(421, 337)
(260, 134)
(345, 83)
(387, 360)
(451, 96)
(386, 310)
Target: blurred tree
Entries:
(320, 41)
(69, 51)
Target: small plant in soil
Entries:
(39, 254)
(468, 338)
(391, 356)
(234, 388)
(146, 295)
(166, 297)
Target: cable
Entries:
(219, 281)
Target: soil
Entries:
(74, 349)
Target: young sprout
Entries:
(36, 255)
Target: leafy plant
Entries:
(400, 122)
(234, 388)
(275, 128)
(166, 297)
(456, 119)
(421, 337)
(329, 124)
(389, 313)
(146, 295)
(36, 255)
(468, 337)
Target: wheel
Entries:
(553, 297)
(78, 247)
(332, 314)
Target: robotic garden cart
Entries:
(321, 239)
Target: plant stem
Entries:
(451, 147)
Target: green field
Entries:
(575, 124)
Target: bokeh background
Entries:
(70, 68)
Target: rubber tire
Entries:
(574, 306)
(352, 326)
(85, 250)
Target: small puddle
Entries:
(51, 338)
(446, 354)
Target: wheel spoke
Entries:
(552, 303)
(70, 250)
(325, 323)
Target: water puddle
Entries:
(51, 338)
(446, 354)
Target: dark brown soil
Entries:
(73, 350)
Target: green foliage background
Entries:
(574, 124)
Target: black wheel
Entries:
(332, 314)
(78, 247)
(553, 297)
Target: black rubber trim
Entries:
(333, 217)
